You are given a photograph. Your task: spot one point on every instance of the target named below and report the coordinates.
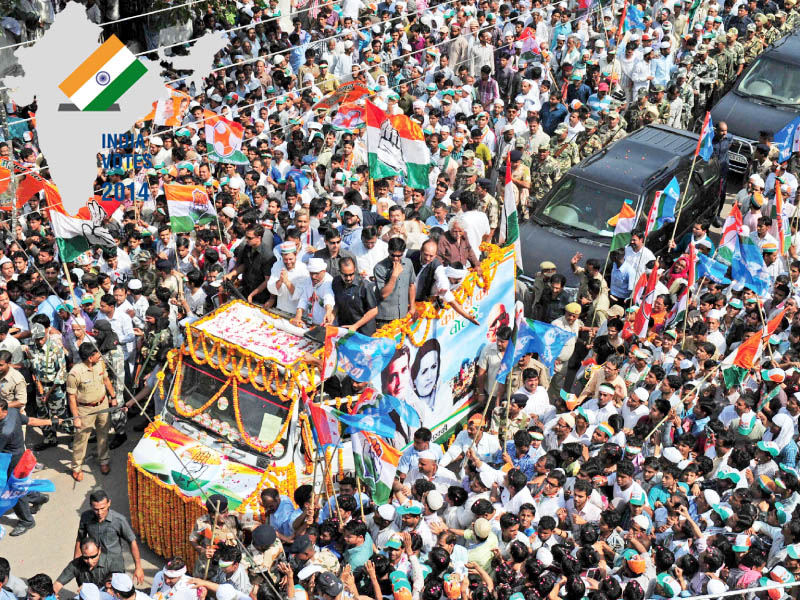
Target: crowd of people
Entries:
(636, 469)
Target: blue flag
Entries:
(748, 267)
(705, 145)
(515, 349)
(363, 357)
(712, 269)
(300, 179)
(634, 18)
(669, 199)
(375, 416)
(784, 139)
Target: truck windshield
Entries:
(585, 205)
(773, 81)
(261, 414)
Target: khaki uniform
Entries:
(87, 384)
(544, 174)
(752, 48)
(588, 144)
(565, 154)
(226, 534)
(515, 424)
(522, 173)
(14, 389)
(491, 207)
(635, 116)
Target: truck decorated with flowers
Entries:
(234, 420)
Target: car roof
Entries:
(630, 163)
(787, 48)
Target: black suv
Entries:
(573, 216)
(766, 98)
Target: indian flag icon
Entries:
(102, 78)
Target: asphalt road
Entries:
(49, 546)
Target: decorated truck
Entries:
(234, 420)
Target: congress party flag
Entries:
(642, 319)
(376, 464)
(363, 357)
(509, 226)
(76, 234)
(224, 140)
(188, 205)
(396, 146)
(100, 80)
(738, 363)
(623, 224)
(730, 235)
(678, 311)
(171, 109)
(349, 117)
(705, 144)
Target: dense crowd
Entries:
(634, 470)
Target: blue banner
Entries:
(784, 139)
(706, 148)
(748, 267)
(363, 357)
(669, 200)
(12, 489)
(376, 416)
(515, 350)
(548, 341)
(712, 269)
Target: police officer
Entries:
(89, 391)
(49, 368)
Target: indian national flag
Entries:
(678, 311)
(396, 146)
(188, 205)
(623, 224)
(509, 228)
(738, 363)
(376, 464)
(104, 77)
(730, 235)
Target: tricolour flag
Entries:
(730, 235)
(376, 464)
(75, 235)
(509, 227)
(224, 139)
(705, 144)
(188, 205)
(638, 289)
(104, 77)
(642, 320)
(678, 311)
(736, 365)
(349, 117)
(396, 146)
(623, 224)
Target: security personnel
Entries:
(686, 93)
(661, 103)
(737, 49)
(613, 130)
(544, 173)
(724, 65)
(752, 45)
(49, 368)
(563, 152)
(588, 141)
(89, 391)
(705, 70)
(215, 528)
(635, 113)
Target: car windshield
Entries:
(262, 414)
(584, 205)
(773, 81)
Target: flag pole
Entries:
(686, 316)
(764, 322)
(360, 503)
(71, 286)
(689, 179)
(508, 408)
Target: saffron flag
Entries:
(642, 320)
(509, 227)
(104, 77)
(188, 205)
(773, 324)
(638, 289)
(730, 235)
(705, 144)
(75, 235)
(376, 463)
(325, 422)
(396, 146)
(224, 140)
(346, 93)
(623, 224)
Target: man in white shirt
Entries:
(474, 221)
(122, 325)
(287, 279)
(578, 507)
(637, 255)
(538, 405)
(369, 251)
(317, 299)
(482, 442)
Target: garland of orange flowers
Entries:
(305, 434)
(182, 407)
(250, 440)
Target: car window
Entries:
(707, 171)
(772, 80)
(584, 205)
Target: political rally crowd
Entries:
(654, 460)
